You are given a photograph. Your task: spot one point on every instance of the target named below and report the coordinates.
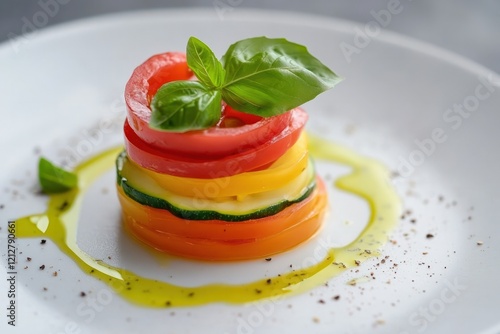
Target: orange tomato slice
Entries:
(217, 240)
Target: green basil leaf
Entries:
(202, 61)
(54, 179)
(267, 76)
(180, 106)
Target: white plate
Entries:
(396, 104)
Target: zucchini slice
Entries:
(145, 190)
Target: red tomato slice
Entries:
(236, 132)
(162, 161)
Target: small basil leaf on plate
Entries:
(54, 179)
(202, 61)
(267, 76)
(181, 106)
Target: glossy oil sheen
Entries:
(368, 179)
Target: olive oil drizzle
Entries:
(368, 179)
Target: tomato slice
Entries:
(145, 81)
(219, 240)
(289, 166)
(262, 156)
(281, 172)
(236, 132)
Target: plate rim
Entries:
(259, 15)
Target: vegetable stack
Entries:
(216, 165)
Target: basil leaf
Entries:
(180, 106)
(54, 179)
(267, 76)
(202, 61)
(260, 76)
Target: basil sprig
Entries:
(260, 76)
